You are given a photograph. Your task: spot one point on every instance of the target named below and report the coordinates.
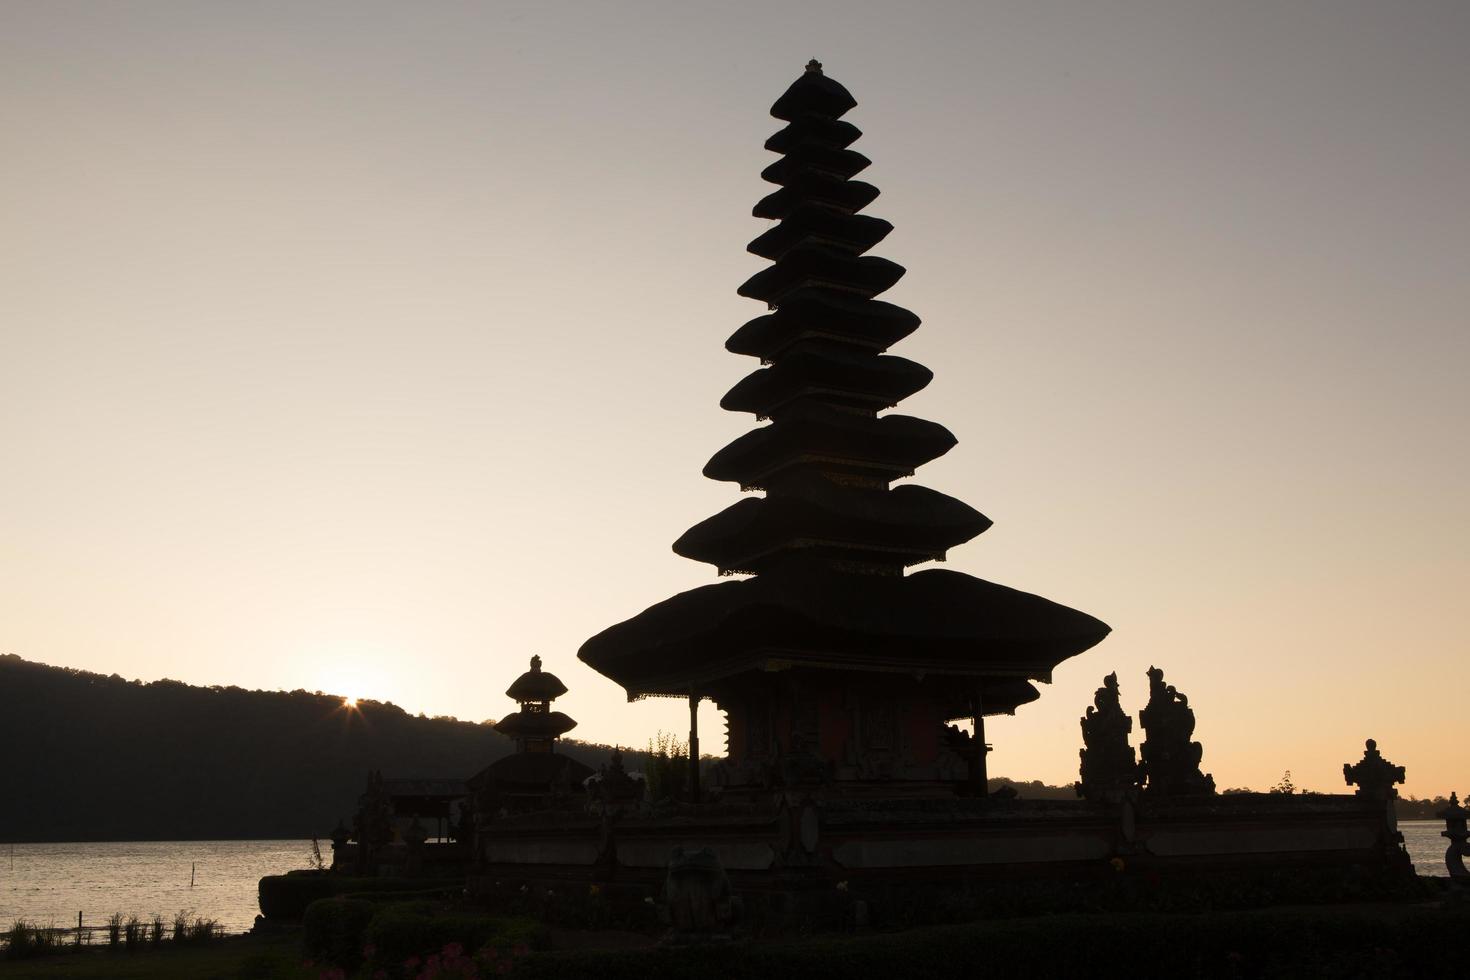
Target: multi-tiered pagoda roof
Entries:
(828, 540)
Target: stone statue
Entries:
(1170, 764)
(803, 764)
(1109, 772)
(697, 896)
(1373, 774)
(372, 825)
(613, 784)
(1454, 830)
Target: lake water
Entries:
(49, 883)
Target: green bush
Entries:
(335, 929)
(1345, 943)
(399, 934)
(287, 896)
(26, 939)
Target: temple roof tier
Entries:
(542, 724)
(930, 622)
(834, 133)
(817, 314)
(530, 771)
(813, 94)
(817, 265)
(814, 158)
(815, 436)
(841, 377)
(812, 223)
(900, 527)
(536, 685)
(847, 196)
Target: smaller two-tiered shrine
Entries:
(535, 774)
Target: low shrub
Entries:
(132, 933)
(26, 939)
(410, 933)
(202, 930)
(335, 931)
(1339, 943)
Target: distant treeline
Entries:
(89, 757)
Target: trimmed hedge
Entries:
(1345, 943)
(287, 896)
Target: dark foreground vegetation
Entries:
(103, 758)
(411, 937)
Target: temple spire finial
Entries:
(814, 66)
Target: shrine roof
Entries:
(536, 685)
(933, 621)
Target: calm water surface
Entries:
(51, 882)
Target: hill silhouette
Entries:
(93, 757)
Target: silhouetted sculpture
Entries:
(1109, 771)
(340, 836)
(1454, 829)
(1170, 765)
(697, 896)
(373, 824)
(613, 785)
(830, 648)
(1373, 774)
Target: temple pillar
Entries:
(980, 775)
(693, 747)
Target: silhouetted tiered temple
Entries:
(833, 665)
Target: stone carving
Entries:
(613, 784)
(1109, 771)
(1373, 774)
(1170, 764)
(697, 897)
(340, 836)
(803, 764)
(373, 824)
(1454, 830)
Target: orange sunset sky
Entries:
(373, 347)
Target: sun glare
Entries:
(349, 703)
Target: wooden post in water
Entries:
(191, 874)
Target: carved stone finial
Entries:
(814, 67)
(1374, 775)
